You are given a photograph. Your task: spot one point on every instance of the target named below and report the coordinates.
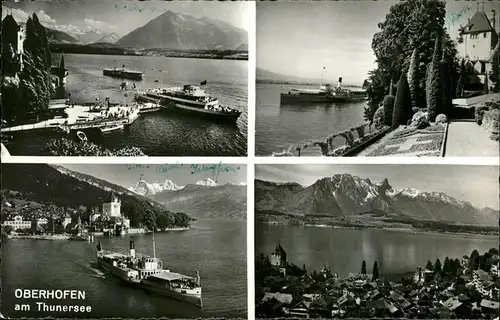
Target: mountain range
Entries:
(344, 195)
(204, 199)
(110, 38)
(173, 30)
(60, 186)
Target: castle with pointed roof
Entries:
(479, 41)
(13, 36)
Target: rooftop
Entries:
(479, 23)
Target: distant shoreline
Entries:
(386, 228)
(305, 83)
(108, 49)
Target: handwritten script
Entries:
(452, 17)
(213, 168)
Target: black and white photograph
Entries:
(124, 241)
(125, 78)
(377, 241)
(388, 78)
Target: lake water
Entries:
(343, 250)
(161, 133)
(279, 126)
(216, 248)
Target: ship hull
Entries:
(194, 299)
(192, 107)
(305, 99)
(122, 74)
(191, 298)
(206, 113)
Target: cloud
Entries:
(76, 28)
(99, 25)
(45, 18)
(18, 14)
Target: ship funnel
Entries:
(340, 83)
(132, 249)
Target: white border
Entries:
(250, 160)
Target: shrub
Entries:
(490, 120)
(441, 118)
(420, 120)
(388, 105)
(68, 147)
(478, 114)
(402, 104)
(378, 118)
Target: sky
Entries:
(476, 184)
(300, 38)
(181, 174)
(119, 16)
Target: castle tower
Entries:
(112, 207)
(278, 257)
(480, 43)
(13, 37)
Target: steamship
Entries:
(123, 73)
(325, 93)
(192, 99)
(147, 273)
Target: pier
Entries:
(83, 118)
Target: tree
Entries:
(429, 265)
(402, 105)
(7, 229)
(433, 87)
(413, 80)
(461, 80)
(474, 260)
(388, 105)
(366, 83)
(363, 267)
(446, 77)
(437, 267)
(408, 25)
(31, 93)
(378, 87)
(446, 267)
(375, 274)
(495, 74)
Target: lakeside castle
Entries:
(110, 216)
(479, 45)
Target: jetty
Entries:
(80, 117)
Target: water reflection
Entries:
(344, 249)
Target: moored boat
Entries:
(324, 94)
(192, 99)
(147, 273)
(112, 128)
(123, 73)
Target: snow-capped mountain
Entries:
(343, 195)
(145, 188)
(207, 182)
(110, 38)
